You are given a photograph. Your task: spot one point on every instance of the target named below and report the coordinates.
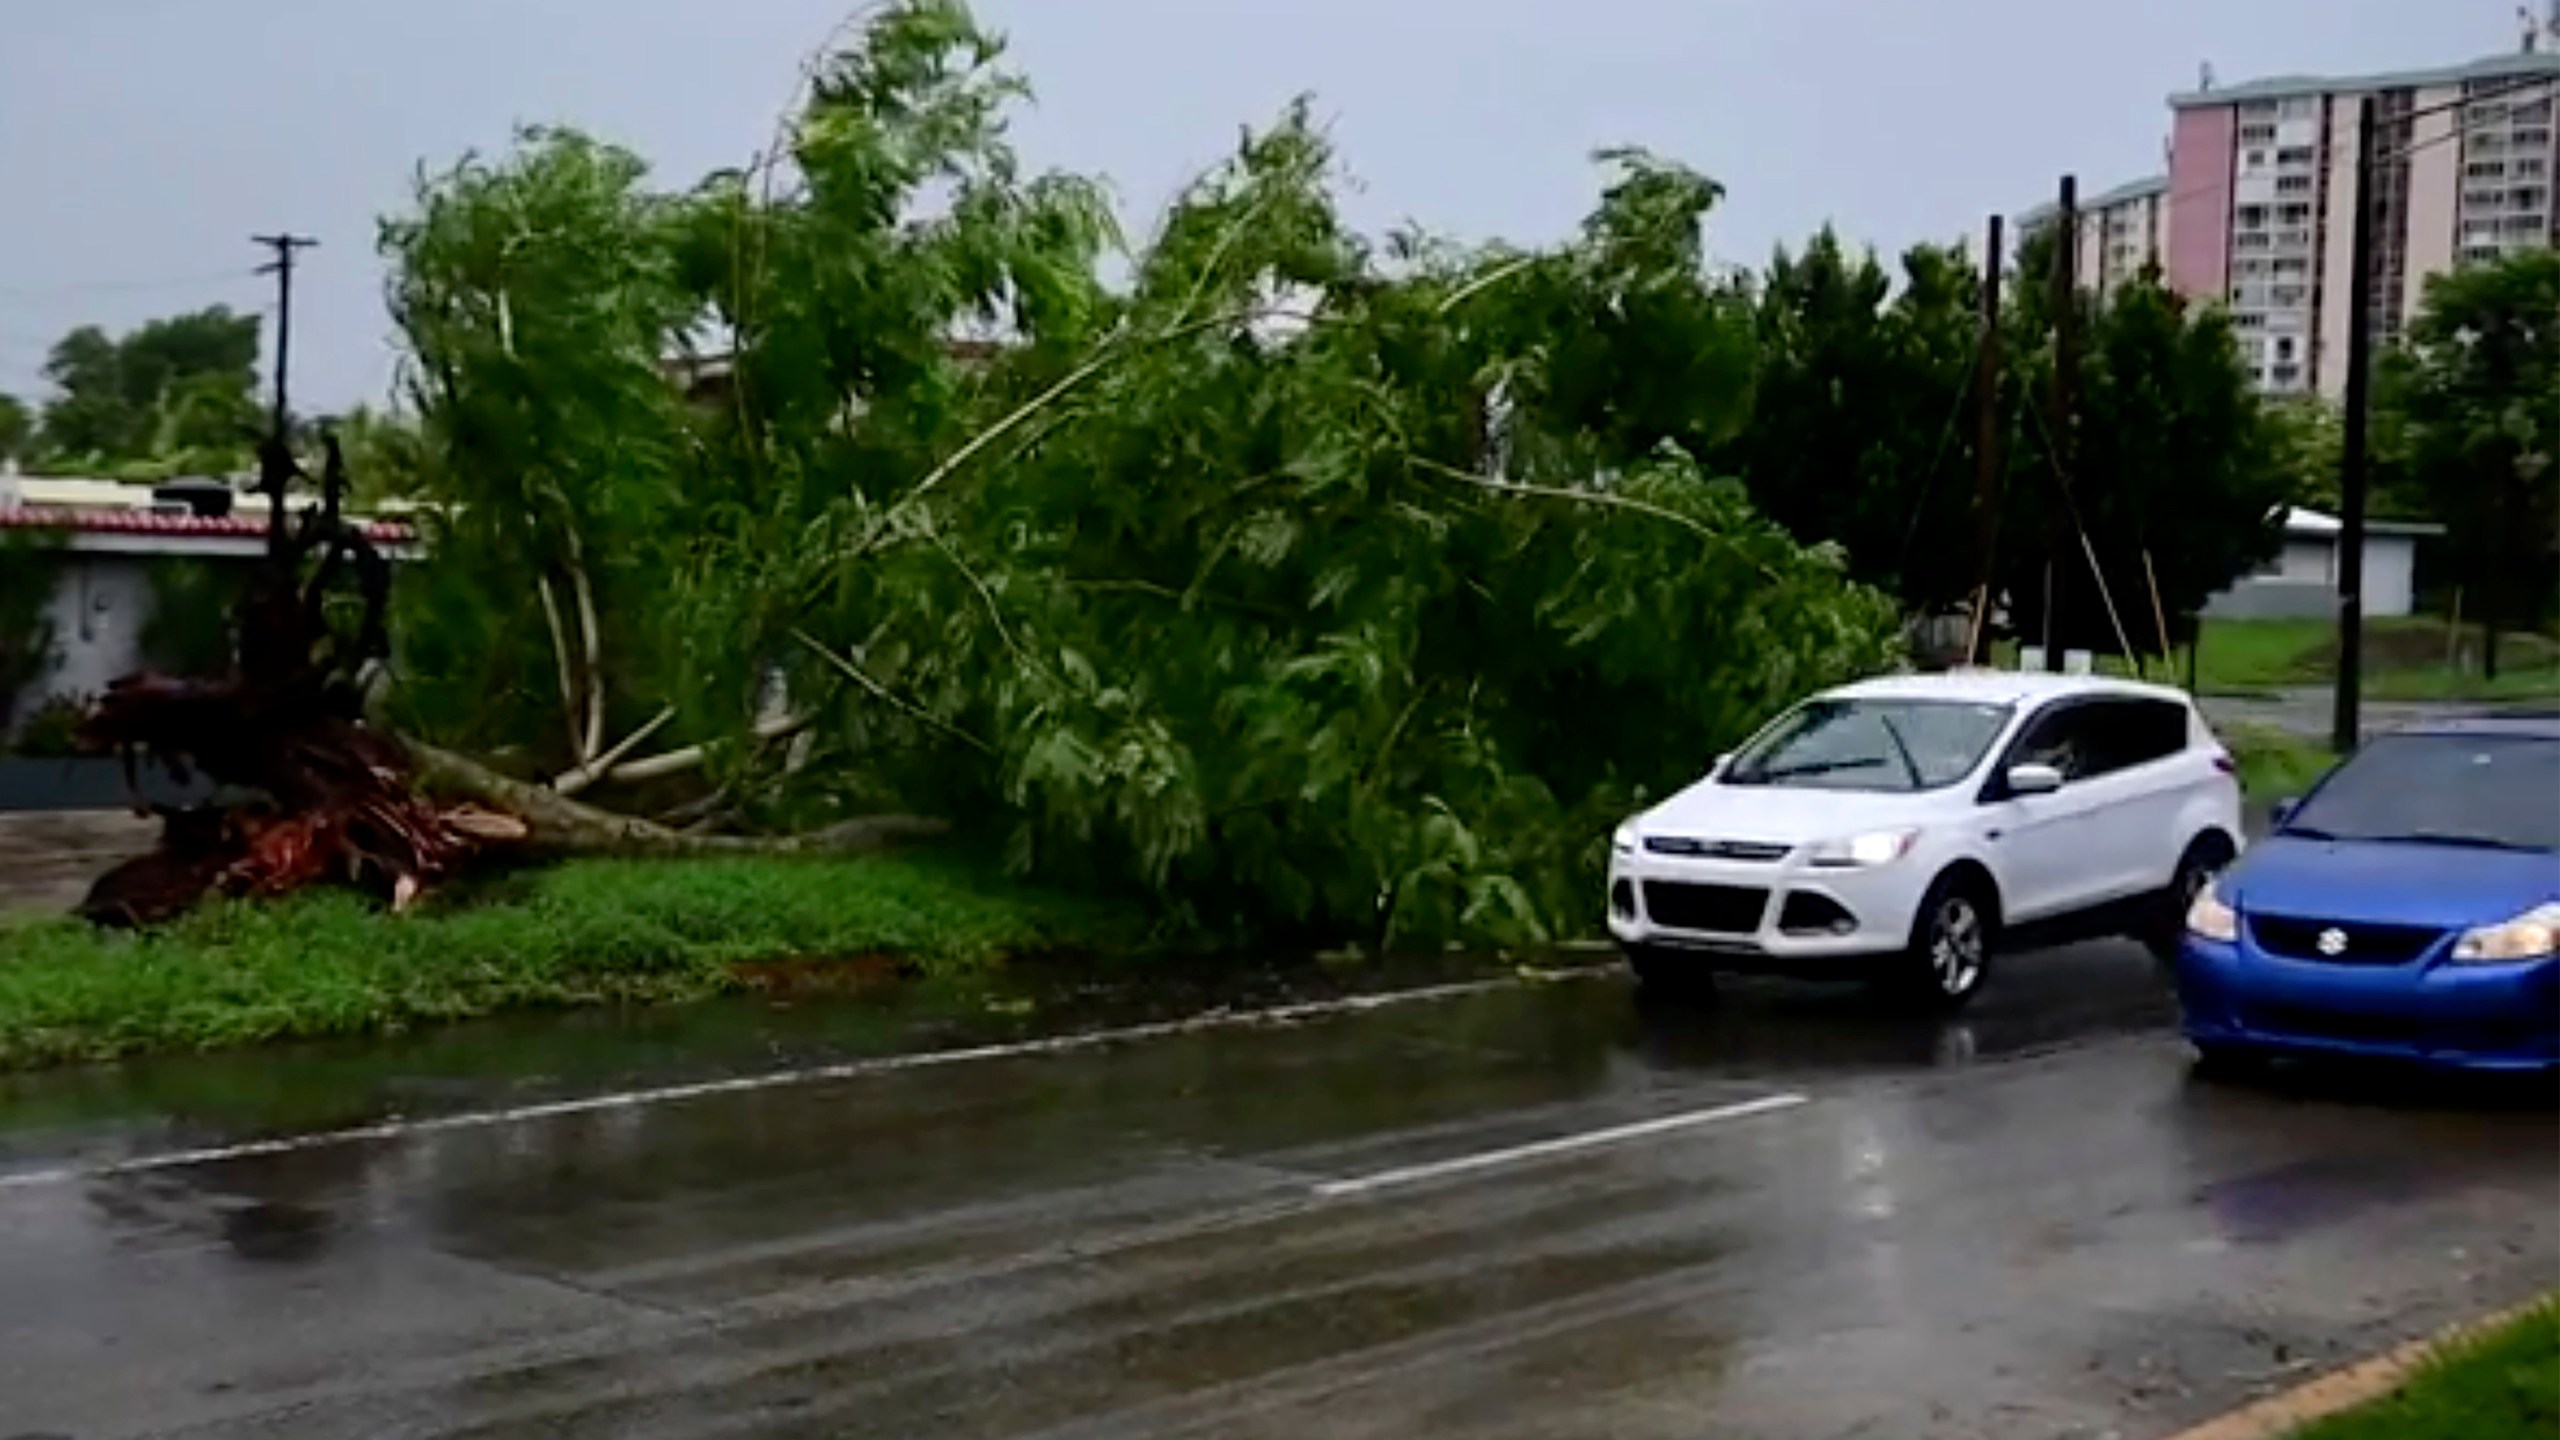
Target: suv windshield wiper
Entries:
(1910, 766)
(1809, 767)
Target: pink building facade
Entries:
(2262, 198)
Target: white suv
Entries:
(1896, 829)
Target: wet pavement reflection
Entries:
(2031, 1220)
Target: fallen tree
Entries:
(1319, 587)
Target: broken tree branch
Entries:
(568, 672)
(597, 769)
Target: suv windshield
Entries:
(1871, 744)
(2498, 791)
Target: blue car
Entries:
(2406, 909)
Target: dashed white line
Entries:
(815, 1075)
(1562, 1145)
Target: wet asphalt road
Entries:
(2030, 1223)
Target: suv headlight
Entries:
(2211, 917)
(1623, 840)
(1860, 852)
(2534, 935)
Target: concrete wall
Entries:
(2337, 268)
(101, 603)
(2435, 194)
(2199, 256)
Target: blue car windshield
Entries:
(1870, 744)
(2482, 790)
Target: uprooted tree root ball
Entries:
(332, 797)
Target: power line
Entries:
(126, 287)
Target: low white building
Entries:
(2301, 582)
(99, 543)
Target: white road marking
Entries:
(1563, 1145)
(390, 1130)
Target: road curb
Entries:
(2283, 1414)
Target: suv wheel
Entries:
(1951, 945)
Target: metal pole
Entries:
(2066, 304)
(1986, 484)
(2347, 727)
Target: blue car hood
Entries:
(2430, 885)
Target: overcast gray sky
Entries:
(143, 141)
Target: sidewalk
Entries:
(47, 859)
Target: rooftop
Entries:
(2516, 65)
(2125, 194)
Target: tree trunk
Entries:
(564, 825)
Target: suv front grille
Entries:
(1710, 909)
(1753, 852)
(2346, 944)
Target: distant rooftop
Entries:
(2517, 65)
(2123, 194)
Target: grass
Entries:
(2274, 764)
(2504, 1385)
(587, 932)
(2406, 658)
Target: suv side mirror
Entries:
(2034, 780)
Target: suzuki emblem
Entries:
(2333, 942)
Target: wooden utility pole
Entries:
(1986, 445)
(2066, 364)
(281, 267)
(2346, 728)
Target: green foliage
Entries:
(1323, 588)
(2500, 1385)
(1866, 433)
(27, 579)
(192, 605)
(585, 933)
(2475, 388)
(174, 395)
(2275, 765)
(17, 429)
(50, 730)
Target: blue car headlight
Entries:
(2212, 918)
(2534, 935)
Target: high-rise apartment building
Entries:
(2262, 182)
(2258, 207)
(2122, 232)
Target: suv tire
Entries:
(1952, 940)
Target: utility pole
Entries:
(284, 246)
(1986, 447)
(2346, 729)
(2066, 363)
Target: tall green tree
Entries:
(1861, 432)
(2476, 385)
(180, 390)
(17, 429)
